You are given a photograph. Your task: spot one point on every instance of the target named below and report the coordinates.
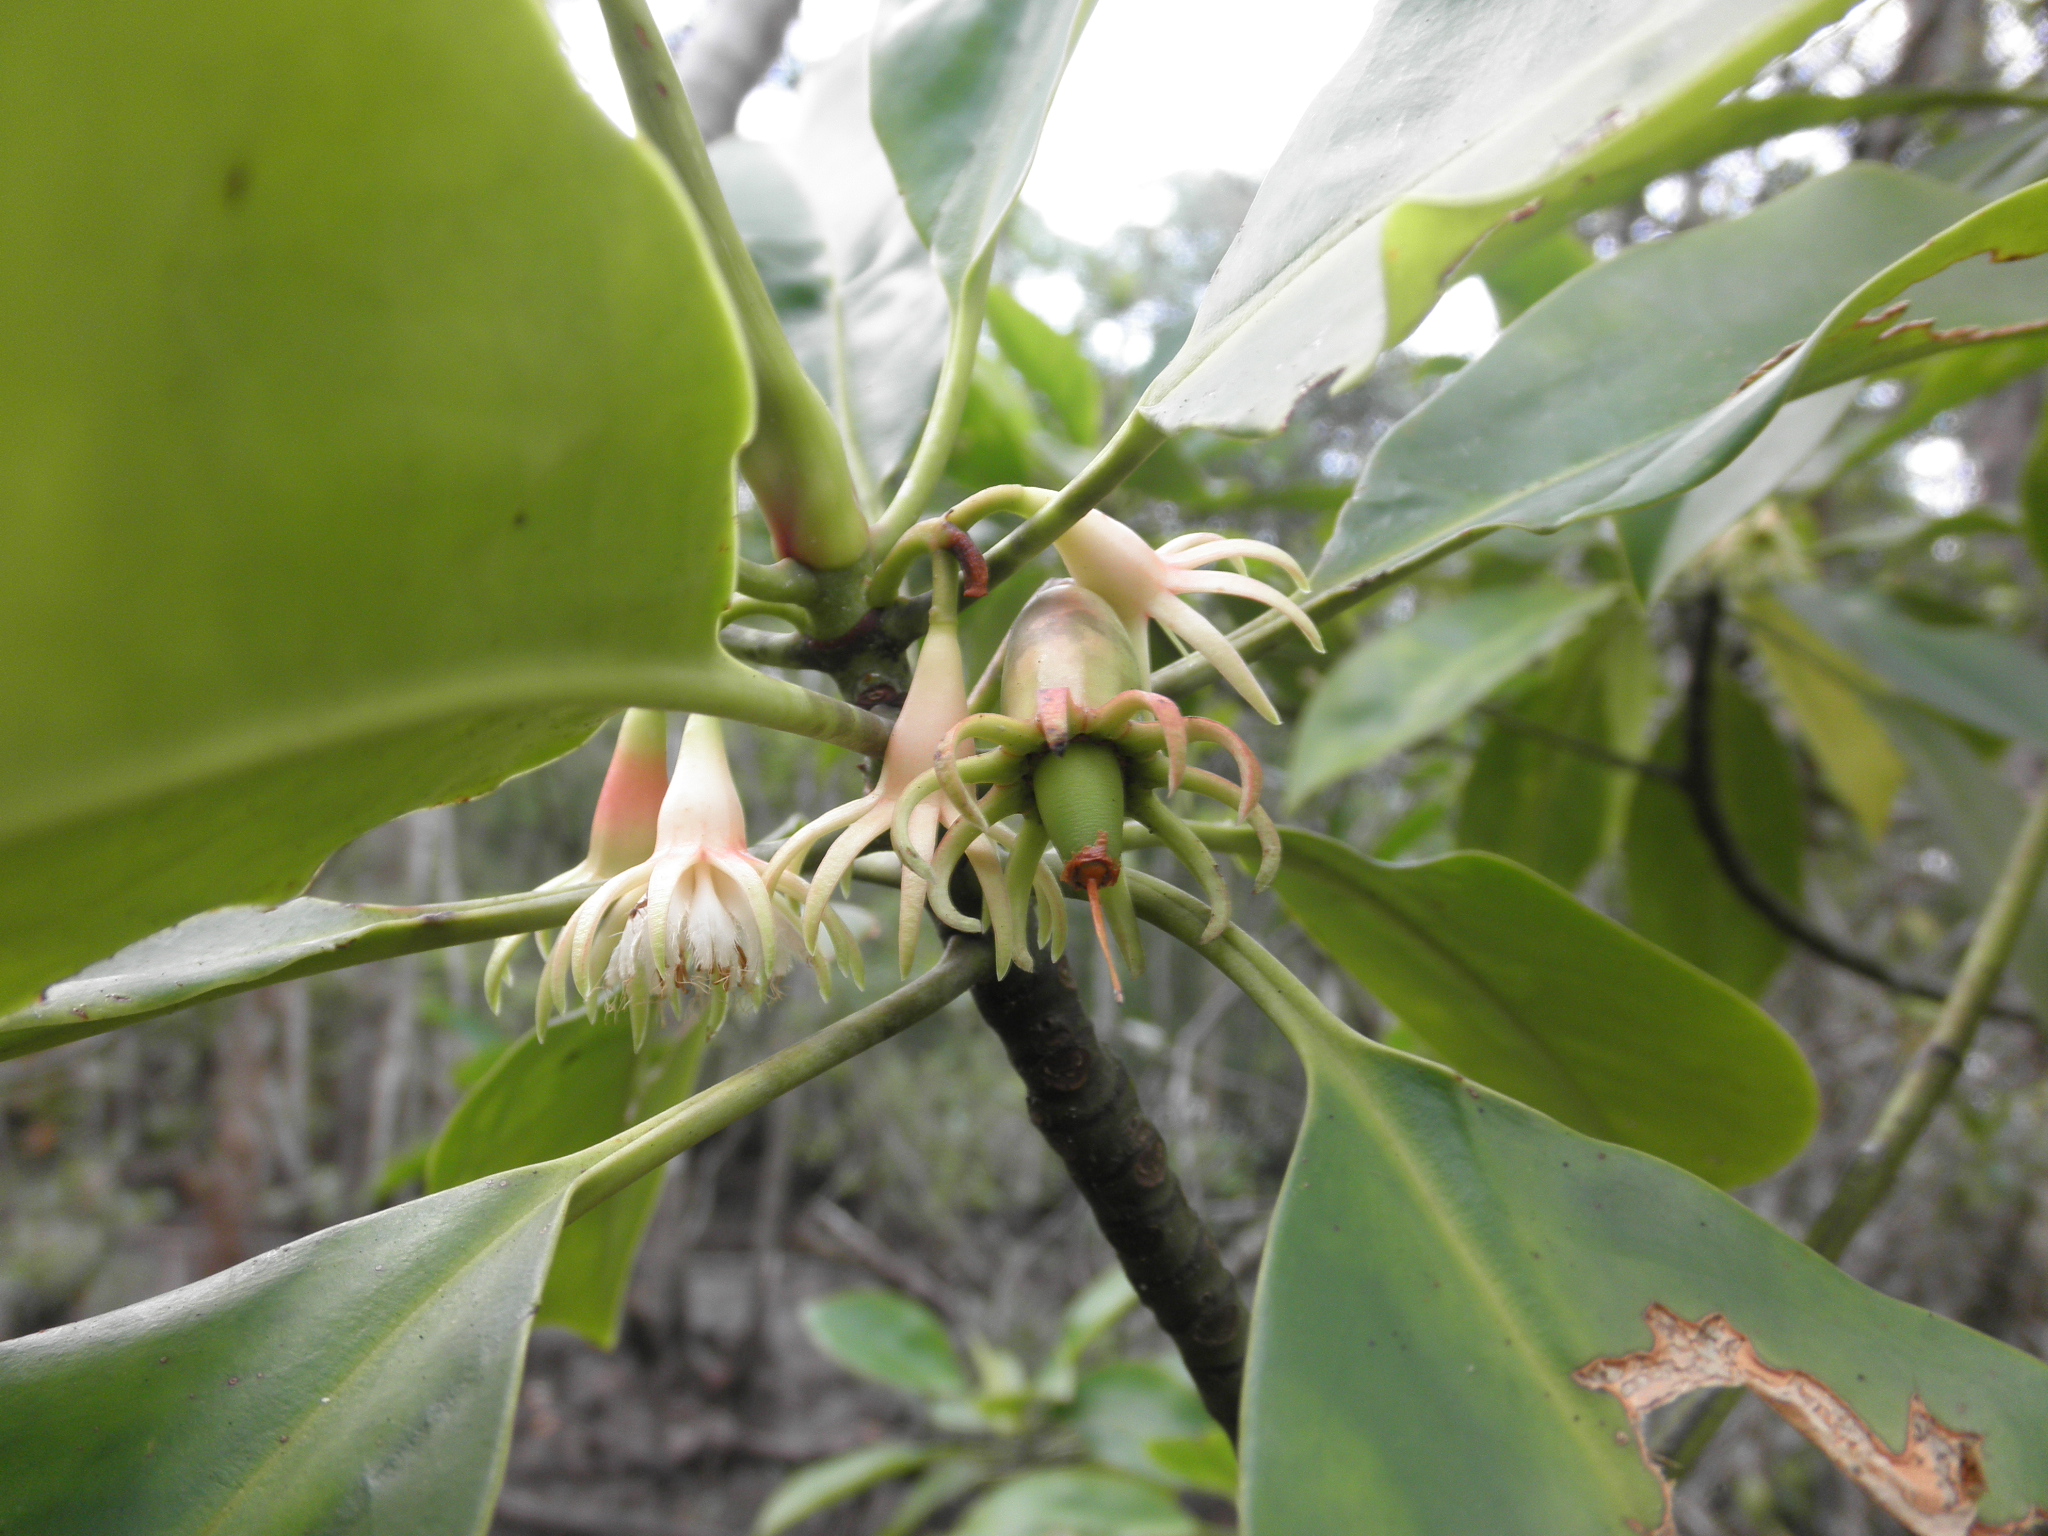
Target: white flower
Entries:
(697, 916)
(1140, 582)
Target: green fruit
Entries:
(1080, 796)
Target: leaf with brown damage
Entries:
(1931, 1486)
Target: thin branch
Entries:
(1593, 751)
(639, 1151)
(1083, 1102)
(1134, 442)
(1697, 781)
(1874, 1168)
(1269, 631)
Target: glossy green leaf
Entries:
(1050, 363)
(1976, 817)
(360, 1379)
(1816, 683)
(1410, 681)
(826, 1484)
(1973, 284)
(961, 90)
(1975, 675)
(887, 1338)
(1455, 120)
(1120, 1409)
(1534, 798)
(1081, 1502)
(1524, 989)
(217, 954)
(337, 394)
(1568, 412)
(1443, 1260)
(1677, 895)
(873, 345)
(1665, 539)
(547, 1099)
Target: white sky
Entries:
(1155, 87)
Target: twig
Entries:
(1874, 1168)
(1591, 750)
(1085, 1105)
(833, 1232)
(1697, 781)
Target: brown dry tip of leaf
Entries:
(1932, 1486)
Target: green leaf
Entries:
(887, 1338)
(946, 1481)
(994, 445)
(1207, 1462)
(1454, 121)
(1537, 801)
(961, 90)
(1106, 1301)
(1977, 818)
(1410, 681)
(873, 343)
(1934, 298)
(1566, 414)
(1815, 681)
(1119, 1410)
(814, 1489)
(1518, 283)
(1051, 364)
(2034, 495)
(548, 1099)
(1076, 1503)
(1662, 540)
(1619, 1040)
(1973, 674)
(1677, 895)
(396, 453)
(217, 954)
(1443, 1260)
(362, 1378)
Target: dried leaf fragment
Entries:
(1931, 1486)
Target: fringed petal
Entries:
(1182, 621)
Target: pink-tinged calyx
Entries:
(1142, 583)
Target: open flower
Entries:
(700, 916)
(937, 702)
(1140, 582)
(621, 832)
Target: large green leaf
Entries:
(961, 90)
(1410, 681)
(217, 954)
(547, 1099)
(888, 1339)
(1120, 1409)
(1975, 675)
(1531, 795)
(1977, 817)
(874, 341)
(1517, 985)
(1975, 284)
(1569, 409)
(371, 410)
(1443, 1261)
(1677, 895)
(361, 1379)
(1454, 121)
